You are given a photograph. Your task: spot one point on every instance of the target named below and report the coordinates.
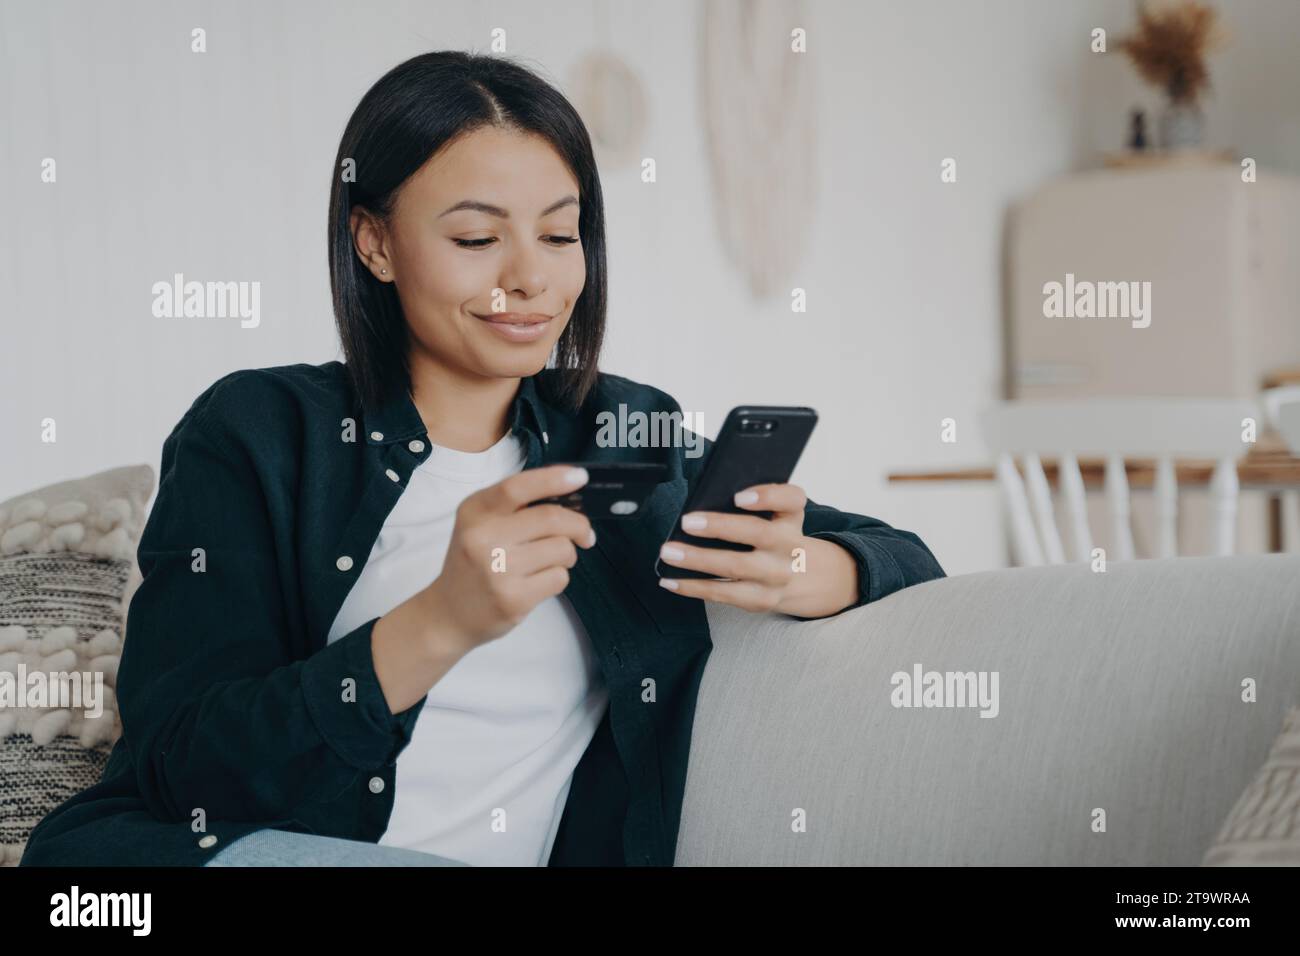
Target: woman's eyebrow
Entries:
(491, 210)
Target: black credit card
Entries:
(614, 489)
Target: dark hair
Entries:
(414, 110)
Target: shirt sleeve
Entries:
(888, 559)
(223, 707)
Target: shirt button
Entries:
(546, 439)
(376, 784)
(344, 563)
(377, 436)
(416, 446)
(208, 841)
(392, 474)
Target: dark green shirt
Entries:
(232, 702)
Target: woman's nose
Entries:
(524, 275)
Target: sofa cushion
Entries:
(101, 514)
(1263, 828)
(67, 573)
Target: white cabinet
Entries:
(1222, 257)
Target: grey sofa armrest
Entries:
(1120, 691)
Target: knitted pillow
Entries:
(1263, 828)
(67, 574)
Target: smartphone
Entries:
(614, 489)
(758, 445)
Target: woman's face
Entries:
(509, 253)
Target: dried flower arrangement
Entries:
(1170, 45)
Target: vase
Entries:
(1182, 125)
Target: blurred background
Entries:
(854, 206)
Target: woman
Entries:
(356, 640)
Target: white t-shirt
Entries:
(486, 774)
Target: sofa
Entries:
(1119, 691)
(1126, 717)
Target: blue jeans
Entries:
(271, 847)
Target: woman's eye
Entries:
(481, 243)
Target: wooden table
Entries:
(1269, 469)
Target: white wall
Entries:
(218, 166)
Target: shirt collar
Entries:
(397, 418)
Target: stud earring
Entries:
(383, 272)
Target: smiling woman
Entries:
(452, 255)
(451, 269)
(398, 651)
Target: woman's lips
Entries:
(516, 326)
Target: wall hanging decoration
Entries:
(758, 105)
(610, 98)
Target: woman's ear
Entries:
(370, 242)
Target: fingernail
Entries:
(671, 553)
(575, 477)
(591, 539)
(746, 497)
(668, 583)
(694, 522)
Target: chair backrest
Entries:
(1286, 417)
(1164, 429)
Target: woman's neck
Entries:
(463, 413)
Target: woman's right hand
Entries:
(505, 557)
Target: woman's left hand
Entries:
(774, 576)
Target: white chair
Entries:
(1164, 429)
(1282, 406)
